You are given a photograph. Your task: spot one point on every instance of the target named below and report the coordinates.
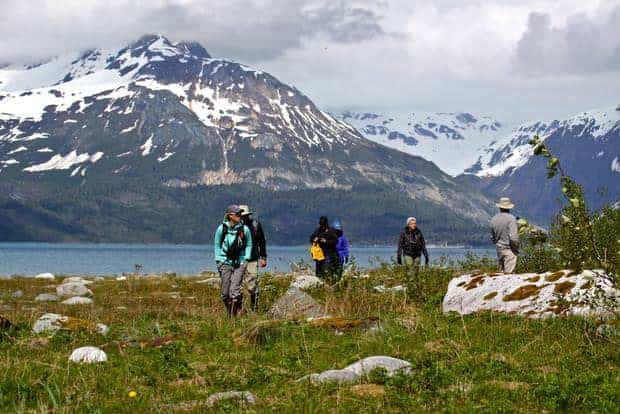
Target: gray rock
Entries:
(306, 282)
(18, 294)
(383, 289)
(73, 289)
(45, 276)
(211, 281)
(77, 300)
(76, 279)
(295, 304)
(88, 355)
(102, 329)
(49, 322)
(361, 368)
(46, 297)
(607, 330)
(245, 397)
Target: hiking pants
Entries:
(232, 278)
(507, 260)
(250, 280)
(413, 264)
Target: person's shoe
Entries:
(237, 305)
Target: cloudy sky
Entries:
(513, 59)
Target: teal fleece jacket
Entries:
(221, 249)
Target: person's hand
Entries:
(322, 240)
(316, 239)
(263, 262)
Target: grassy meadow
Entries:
(171, 344)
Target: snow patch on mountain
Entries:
(60, 162)
(615, 165)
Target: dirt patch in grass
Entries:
(523, 292)
(368, 390)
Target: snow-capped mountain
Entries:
(452, 140)
(168, 116)
(588, 145)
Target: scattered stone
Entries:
(102, 329)
(368, 390)
(39, 343)
(77, 300)
(462, 387)
(360, 369)
(607, 330)
(211, 281)
(244, 397)
(45, 276)
(73, 289)
(121, 278)
(76, 279)
(88, 355)
(295, 304)
(394, 289)
(53, 322)
(46, 297)
(549, 294)
(17, 294)
(306, 282)
(121, 307)
(49, 322)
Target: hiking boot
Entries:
(229, 306)
(237, 305)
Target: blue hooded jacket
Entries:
(221, 249)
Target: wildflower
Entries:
(132, 394)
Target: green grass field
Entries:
(174, 350)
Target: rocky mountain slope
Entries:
(146, 141)
(588, 145)
(452, 140)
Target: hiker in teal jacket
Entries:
(233, 248)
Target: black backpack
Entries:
(237, 246)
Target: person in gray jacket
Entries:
(505, 236)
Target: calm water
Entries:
(110, 259)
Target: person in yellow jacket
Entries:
(326, 239)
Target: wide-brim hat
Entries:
(245, 210)
(505, 203)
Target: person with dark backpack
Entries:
(258, 257)
(411, 246)
(326, 239)
(233, 248)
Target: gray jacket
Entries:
(504, 232)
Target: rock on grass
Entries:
(73, 289)
(533, 295)
(45, 276)
(295, 304)
(245, 397)
(46, 297)
(360, 369)
(88, 355)
(77, 300)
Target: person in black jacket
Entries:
(327, 239)
(258, 256)
(411, 246)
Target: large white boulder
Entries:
(88, 355)
(76, 279)
(588, 293)
(73, 289)
(359, 369)
(45, 276)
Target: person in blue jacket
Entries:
(342, 248)
(233, 248)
